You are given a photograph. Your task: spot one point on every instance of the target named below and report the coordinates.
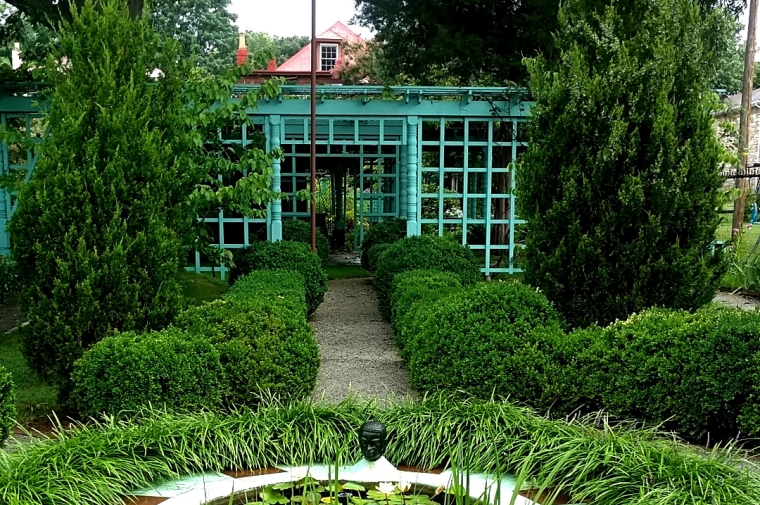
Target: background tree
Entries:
(620, 181)
(268, 46)
(469, 42)
(204, 28)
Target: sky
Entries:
(293, 17)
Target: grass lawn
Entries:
(34, 398)
(202, 288)
(345, 271)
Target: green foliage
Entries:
(415, 287)
(264, 47)
(483, 43)
(426, 253)
(97, 251)
(9, 279)
(7, 404)
(484, 334)
(263, 338)
(373, 255)
(696, 370)
(100, 463)
(620, 181)
(123, 373)
(295, 230)
(384, 232)
(203, 28)
(290, 256)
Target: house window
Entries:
(329, 56)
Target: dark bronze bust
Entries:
(373, 440)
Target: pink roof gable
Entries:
(301, 61)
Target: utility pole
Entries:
(314, 125)
(744, 116)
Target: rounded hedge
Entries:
(387, 231)
(262, 344)
(373, 256)
(127, 371)
(295, 230)
(696, 370)
(418, 288)
(289, 256)
(7, 404)
(480, 341)
(419, 253)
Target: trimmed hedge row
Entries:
(290, 256)
(221, 353)
(295, 230)
(373, 256)
(387, 231)
(7, 404)
(423, 252)
(696, 373)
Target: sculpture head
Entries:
(373, 440)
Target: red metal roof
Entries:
(301, 61)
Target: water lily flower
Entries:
(439, 490)
(386, 488)
(403, 487)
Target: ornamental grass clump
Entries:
(283, 255)
(442, 254)
(588, 459)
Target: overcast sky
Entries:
(293, 17)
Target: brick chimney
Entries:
(242, 52)
(272, 65)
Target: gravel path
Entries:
(737, 300)
(356, 346)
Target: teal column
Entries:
(412, 226)
(402, 175)
(275, 129)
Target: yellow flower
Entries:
(386, 488)
(439, 490)
(325, 499)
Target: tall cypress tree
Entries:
(96, 230)
(620, 181)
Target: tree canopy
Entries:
(263, 47)
(472, 42)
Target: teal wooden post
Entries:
(402, 181)
(274, 142)
(412, 225)
(5, 245)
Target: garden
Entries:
(602, 374)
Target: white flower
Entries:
(403, 486)
(386, 488)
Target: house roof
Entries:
(736, 99)
(301, 61)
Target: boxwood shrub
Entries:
(423, 252)
(7, 404)
(387, 231)
(264, 343)
(289, 256)
(422, 287)
(373, 256)
(479, 340)
(127, 371)
(696, 370)
(295, 230)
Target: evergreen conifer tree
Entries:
(620, 181)
(97, 230)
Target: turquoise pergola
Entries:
(441, 158)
